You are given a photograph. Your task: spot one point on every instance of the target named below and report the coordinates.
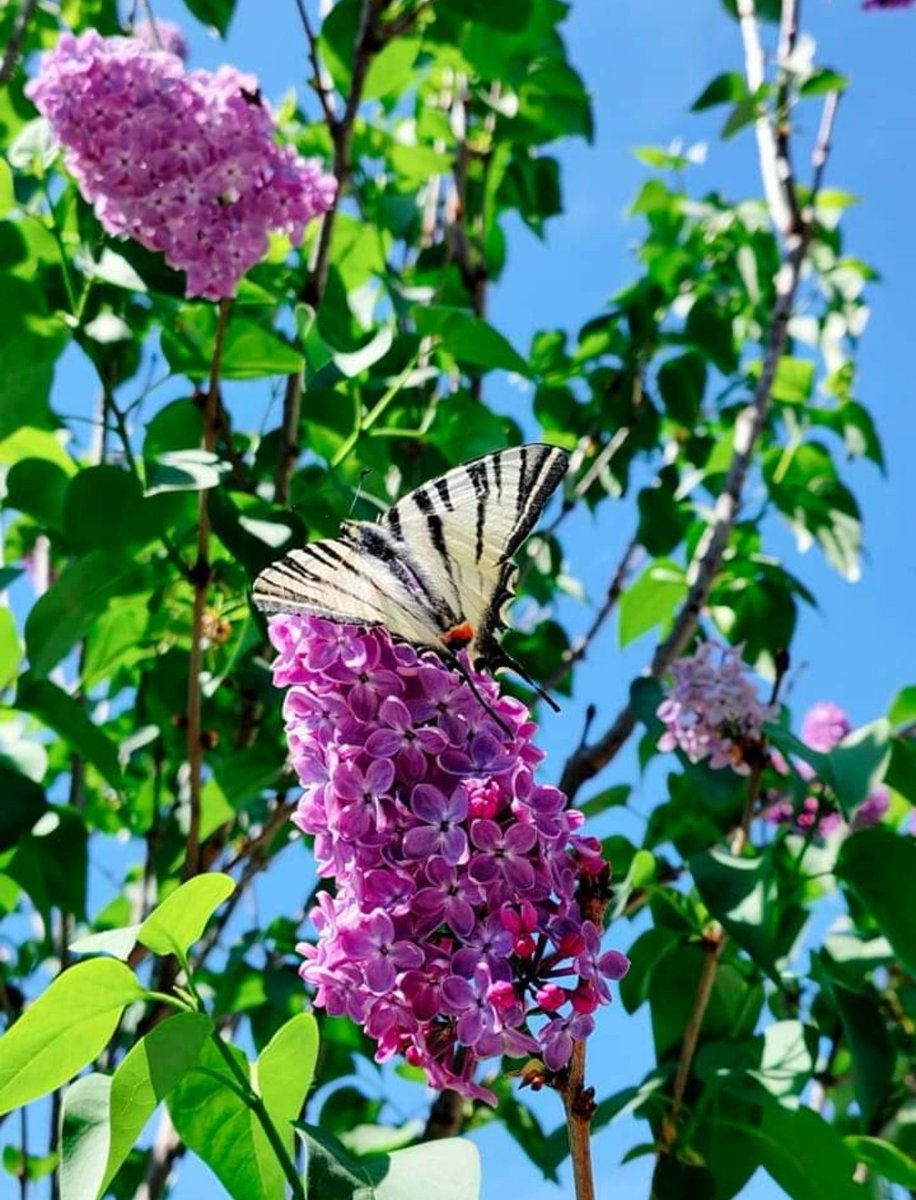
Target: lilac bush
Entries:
(455, 930)
(185, 163)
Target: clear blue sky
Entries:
(645, 62)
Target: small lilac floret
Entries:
(185, 163)
(455, 909)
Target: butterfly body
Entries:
(436, 570)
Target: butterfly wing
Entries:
(361, 578)
(465, 526)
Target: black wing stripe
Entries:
(372, 541)
(545, 477)
(444, 494)
(477, 472)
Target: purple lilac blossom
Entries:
(711, 708)
(454, 933)
(823, 728)
(185, 163)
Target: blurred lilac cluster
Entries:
(711, 709)
(824, 727)
(163, 35)
(455, 931)
(185, 163)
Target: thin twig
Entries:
(24, 1149)
(14, 45)
(289, 437)
(705, 984)
(200, 575)
(578, 650)
(325, 98)
(579, 1106)
(587, 761)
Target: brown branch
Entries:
(367, 45)
(288, 453)
(707, 979)
(14, 45)
(588, 760)
(167, 1147)
(325, 98)
(446, 1116)
(578, 650)
(200, 577)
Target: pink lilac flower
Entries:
(185, 163)
(823, 728)
(455, 932)
(711, 709)
(163, 35)
(825, 725)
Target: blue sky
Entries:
(645, 62)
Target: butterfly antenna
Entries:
(358, 494)
(484, 703)
(499, 658)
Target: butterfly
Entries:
(436, 570)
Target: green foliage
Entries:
(453, 145)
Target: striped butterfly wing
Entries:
(361, 578)
(465, 526)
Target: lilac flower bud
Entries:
(183, 162)
(455, 907)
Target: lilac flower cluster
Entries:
(711, 709)
(184, 163)
(455, 930)
(824, 727)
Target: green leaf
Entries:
(212, 1120)
(184, 471)
(867, 1036)
(68, 609)
(794, 380)
(879, 868)
(66, 1028)
(883, 1159)
(215, 13)
(10, 649)
(682, 383)
(70, 721)
(180, 919)
(448, 1169)
(727, 88)
(391, 70)
(612, 797)
(104, 507)
(469, 339)
(651, 600)
(857, 765)
(117, 942)
(38, 487)
(285, 1071)
(710, 328)
(903, 707)
(23, 803)
(742, 895)
(85, 1136)
(804, 1155)
(250, 351)
(822, 81)
(153, 1066)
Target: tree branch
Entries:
(14, 45)
(578, 650)
(320, 88)
(588, 760)
(200, 577)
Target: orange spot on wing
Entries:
(459, 636)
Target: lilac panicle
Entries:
(163, 35)
(454, 933)
(711, 709)
(185, 163)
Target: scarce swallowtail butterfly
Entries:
(436, 570)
